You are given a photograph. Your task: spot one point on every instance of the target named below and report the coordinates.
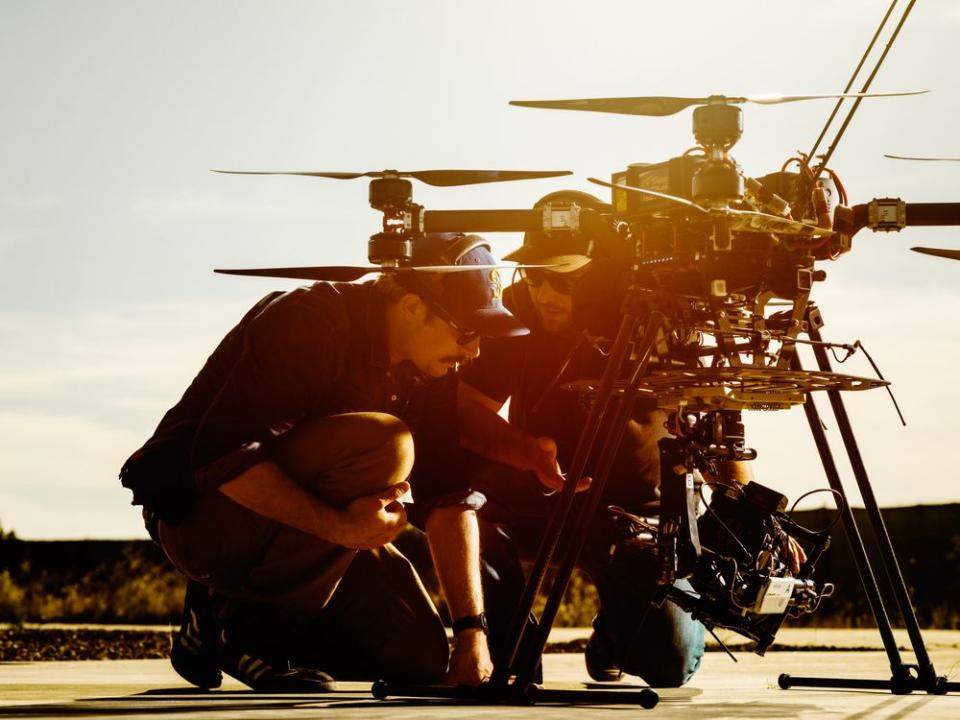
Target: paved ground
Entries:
(722, 689)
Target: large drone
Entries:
(694, 225)
(700, 291)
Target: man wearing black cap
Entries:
(276, 483)
(663, 645)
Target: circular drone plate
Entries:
(736, 388)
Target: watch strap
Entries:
(471, 622)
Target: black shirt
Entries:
(527, 369)
(317, 350)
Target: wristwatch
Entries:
(470, 622)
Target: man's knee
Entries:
(667, 649)
(673, 668)
(346, 456)
(384, 451)
(390, 435)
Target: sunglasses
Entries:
(465, 336)
(563, 283)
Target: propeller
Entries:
(747, 220)
(349, 273)
(938, 252)
(660, 106)
(440, 178)
(927, 159)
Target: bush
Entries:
(12, 599)
(104, 582)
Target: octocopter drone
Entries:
(696, 231)
(700, 291)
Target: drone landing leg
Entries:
(565, 512)
(861, 561)
(579, 525)
(905, 678)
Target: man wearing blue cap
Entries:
(276, 483)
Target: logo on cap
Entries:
(496, 285)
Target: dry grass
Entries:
(134, 584)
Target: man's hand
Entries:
(371, 521)
(470, 662)
(795, 555)
(542, 456)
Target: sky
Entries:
(111, 223)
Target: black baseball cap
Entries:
(565, 252)
(473, 298)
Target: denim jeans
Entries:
(662, 645)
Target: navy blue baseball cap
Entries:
(473, 298)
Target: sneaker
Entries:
(600, 666)
(194, 651)
(271, 676)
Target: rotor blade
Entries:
(938, 252)
(661, 105)
(336, 273)
(652, 106)
(447, 178)
(927, 159)
(349, 273)
(776, 99)
(650, 193)
(447, 268)
(334, 175)
(439, 178)
(463, 268)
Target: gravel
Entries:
(33, 644)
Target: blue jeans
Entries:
(662, 645)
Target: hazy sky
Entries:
(110, 223)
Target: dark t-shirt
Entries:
(527, 370)
(317, 350)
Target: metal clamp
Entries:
(886, 215)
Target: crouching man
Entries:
(275, 483)
(517, 465)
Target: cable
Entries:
(841, 360)
(841, 189)
(840, 502)
(717, 517)
(880, 375)
(734, 577)
(556, 378)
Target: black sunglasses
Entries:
(563, 283)
(464, 336)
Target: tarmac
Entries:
(721, 689)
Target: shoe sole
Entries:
(205, 679)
